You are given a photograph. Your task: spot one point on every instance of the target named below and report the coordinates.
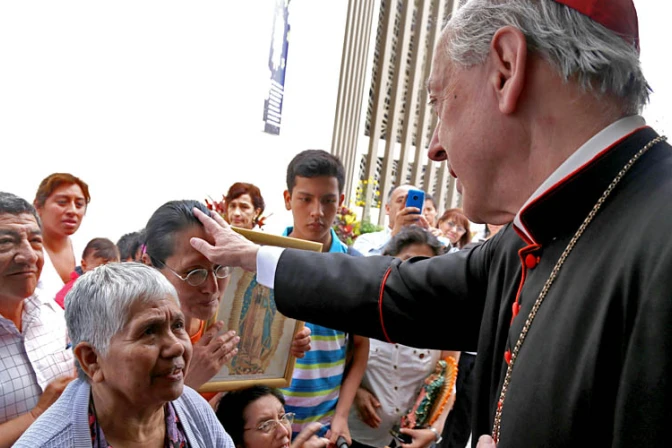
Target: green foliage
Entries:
(368, 227)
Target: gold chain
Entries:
(551, 279)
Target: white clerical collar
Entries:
(582, 156)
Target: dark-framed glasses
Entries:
(198, 276)
(269, 426)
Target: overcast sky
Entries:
(654, 21)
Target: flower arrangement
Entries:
(346, 225)
(360, 193)
(348, 228)
(217, 206)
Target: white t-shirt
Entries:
(50, 282)
(395, 374)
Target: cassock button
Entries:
(507, 356)
(516, 309)
(531, 261)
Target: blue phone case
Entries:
(415, 198)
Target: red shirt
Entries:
(60, 296)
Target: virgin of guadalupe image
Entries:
(258, 323)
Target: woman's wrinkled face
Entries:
(241, 212)
(197, 302)
(63, 211)
(146, 360)
(266, 408)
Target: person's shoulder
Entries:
(42, 436)
(196, 412)
(370, 236)
(196, 407)
(364, 243)
(51, 313)
(327, 336)
(354, 252)
(191, 398)
(56, 426)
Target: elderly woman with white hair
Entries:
(132, 350)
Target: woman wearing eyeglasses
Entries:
(255, 418)
(199, 284)
(454, 225)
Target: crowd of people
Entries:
(338, 386)
(558, 325)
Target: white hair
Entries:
(97, 307)
(599, 59)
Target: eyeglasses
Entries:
(269, 426)
(198, 276)
(456, 227)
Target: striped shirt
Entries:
(316, 381)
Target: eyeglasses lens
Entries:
(197, 277)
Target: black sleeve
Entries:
(433, 303)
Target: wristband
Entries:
(437, 436)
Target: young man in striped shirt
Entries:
(323, 387)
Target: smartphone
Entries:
(399, 437)
(415, 198)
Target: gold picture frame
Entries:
(264, 351)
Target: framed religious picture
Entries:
(264, 351)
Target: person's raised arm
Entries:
(380, 297)
(405, 302)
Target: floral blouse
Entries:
(175, 436)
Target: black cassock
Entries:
(596, 367)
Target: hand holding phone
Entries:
(415, 198)
(398, 436)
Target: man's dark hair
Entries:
(315, 163)
(392, 189)
(101, 248)
(231, 409)
(13, 205)
(166, 221)
(412, 235)
(128, 245)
